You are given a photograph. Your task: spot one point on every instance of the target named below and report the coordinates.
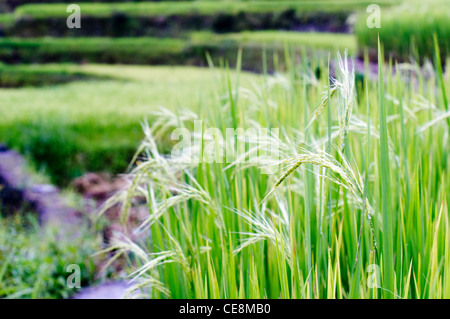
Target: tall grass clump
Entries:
(407, 30)
(353, 203)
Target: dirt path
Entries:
(109, 290)
(17, 190)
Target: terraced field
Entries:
(95, 125)
(170, 51)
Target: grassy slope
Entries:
(310, 238)
(37, 75)
(200, 7)
(167, 50)
(90, 44)
(96, 125)
(34, 261)
(311, 39)
(125, 50)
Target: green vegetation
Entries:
(106, 50)
(356, 185)
(10, 5)
(167, 8)
(360, 188)
(168, 50)
(37, 75)
(34, 261)
(407, 30)
(279, 39)
(95, 125)
(6, 19)
(174, 19)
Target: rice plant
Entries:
(354, 203)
